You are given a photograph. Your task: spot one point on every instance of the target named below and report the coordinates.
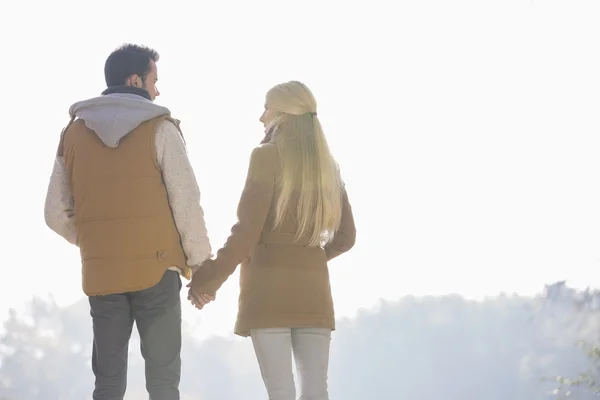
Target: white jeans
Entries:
(274, 347)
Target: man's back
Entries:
(126, 232)
(121, 156)
(123, 190)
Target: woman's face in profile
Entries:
(267, 116)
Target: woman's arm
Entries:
(346, 235)
(252, 212)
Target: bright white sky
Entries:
(467, 131)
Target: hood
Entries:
(114, 115)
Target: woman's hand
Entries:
(199, 300)
(195, 295)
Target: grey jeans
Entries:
(157, 314)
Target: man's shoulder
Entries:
(169, 134)
(170, 124)
(170, 119)
(73, 127)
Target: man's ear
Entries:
(134, 81)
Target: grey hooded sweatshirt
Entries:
(112, 117)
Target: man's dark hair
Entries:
(127, 60)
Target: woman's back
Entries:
(293, 217)
(287, 229)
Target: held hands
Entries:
(199, 300)
(195, 296)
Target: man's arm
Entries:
(59, 210)
(184, 194)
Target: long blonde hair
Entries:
(308, 165)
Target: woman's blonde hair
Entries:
(308, 166)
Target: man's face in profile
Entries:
(150, 81)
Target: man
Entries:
(124, 192)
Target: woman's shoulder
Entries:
(264, 160)
(266, 148)
(265, 153)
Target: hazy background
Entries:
(467, 133)
(430, 348)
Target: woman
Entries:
(293, 217)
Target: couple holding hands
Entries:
(124, 192)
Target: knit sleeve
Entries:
(183, 193)
(59, 209)
(252, 212)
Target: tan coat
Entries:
(125, 229)
(283, 283)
